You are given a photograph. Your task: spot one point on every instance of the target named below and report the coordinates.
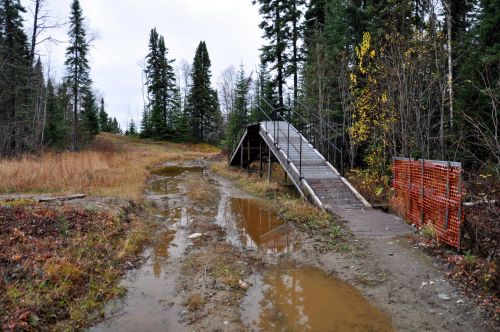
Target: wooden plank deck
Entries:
(315, 178)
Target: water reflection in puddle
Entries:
(306, 299)
(160, 251)
(259, 226)
(173, 171)
(166, 186)
(150, 302)
(172, 178)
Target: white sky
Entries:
(229, 27)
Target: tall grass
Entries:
(113, 166)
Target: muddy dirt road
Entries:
(225, 261)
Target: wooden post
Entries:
(260, 158)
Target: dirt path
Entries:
(224, 261)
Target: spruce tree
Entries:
(160, 81)
(277, 32)
(115, 127)
(77, 63)
(146, 130)
(55, 125)
(14, 55)
(89, 116)
(132, 129)
(103, 118)
(238, 118)
(203, 107)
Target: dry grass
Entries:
(113, 166)
(251, 182)
(194, 302)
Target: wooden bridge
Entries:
(313, 176)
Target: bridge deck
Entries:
(315, 178)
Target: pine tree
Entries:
(203, 107)
(103, 118)
(132, 129)
(238, 117)
(77, 63)
(14, 55)
(55, 126)
(277, 32)
(89, 116)
(293, 17)
(115, 127)
(146, 130)
(160, 81)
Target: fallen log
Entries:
(61, 198)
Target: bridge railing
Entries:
(305, 125)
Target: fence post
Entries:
(422, 172)
(460, 209)
(447, 194)
(409, 186)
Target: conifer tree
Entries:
(238, 118)
(132, 129)
(77, 63)
(160, 81)
(55, 126)
(103, 118)
(115, 127)
(14, 55)
(146, 130)
(203, 107)
(276, 31)
(89, 116)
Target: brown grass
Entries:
(195, 301)
(113, 166)
(251, 182)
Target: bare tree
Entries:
(185, 77)
(227, 83)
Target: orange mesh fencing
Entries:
(429, 192)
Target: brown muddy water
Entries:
(307, 299)
(260, 226)
(284, 298)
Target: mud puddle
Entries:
(256, 225)
(288, 298)
(197, 282)
(152, 302)
(170, 179)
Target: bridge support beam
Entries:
(248, 156)
(241, 156)
(270, 169)
(260, 158)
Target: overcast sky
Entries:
(229, 27)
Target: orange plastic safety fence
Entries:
(429, 192)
